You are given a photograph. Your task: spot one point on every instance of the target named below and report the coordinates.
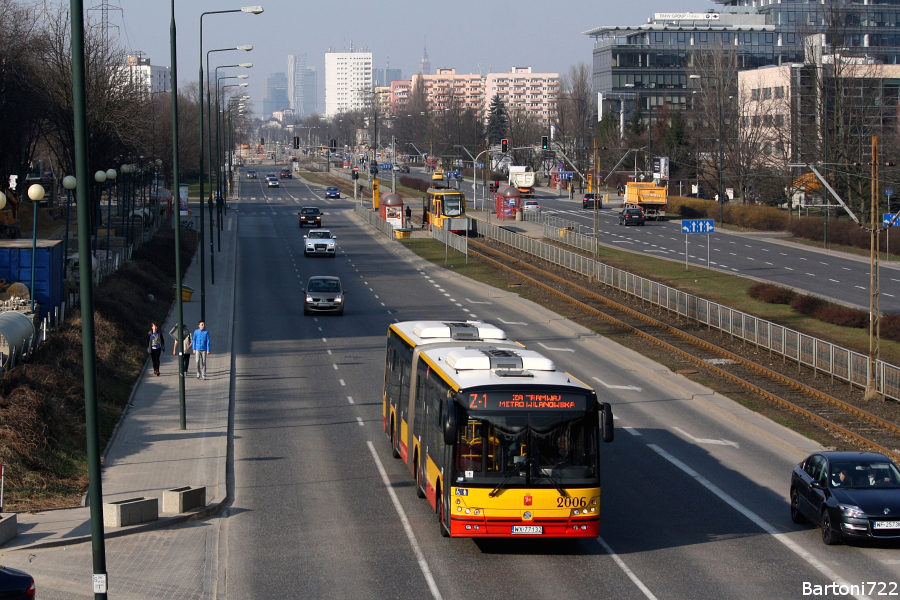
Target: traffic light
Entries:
(296, 143)
(262, 141)
(504, 146)
(545, 142)
(333, 145)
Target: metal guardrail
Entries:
(824, 357)
(551, 222)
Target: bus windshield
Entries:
(452, 205)
(533, 449)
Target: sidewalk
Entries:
(148, 453)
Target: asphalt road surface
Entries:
(694, 488)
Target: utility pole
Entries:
(874, 284)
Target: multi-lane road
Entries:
(816, 270)
(694, 487)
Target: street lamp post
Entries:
(88, 341)
(110, 176)
(69, 184)
(176, 191)
(35, 194)
(247, 9)
(99, 177)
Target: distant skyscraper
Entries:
(301, 85)
(425, 68)
(384, 77)
(276, 94)
(348, 81)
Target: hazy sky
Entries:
(546, 36)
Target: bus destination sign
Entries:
(537, 401)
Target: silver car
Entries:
(324, 294)
(319, 242)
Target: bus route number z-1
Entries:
(571, 502)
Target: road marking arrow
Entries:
(616, 387)
(705, 441)
(557, 349)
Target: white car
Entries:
(273, 182)
(531, 206)
(319, 242)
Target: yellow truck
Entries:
(649, 197)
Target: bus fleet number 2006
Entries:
(571, 502)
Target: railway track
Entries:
(851, 423)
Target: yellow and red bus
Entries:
(445, 203)
(500, 442)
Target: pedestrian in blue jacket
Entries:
(201, 348)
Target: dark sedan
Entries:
(16, 584)
(631, 216)
(324, 294)
(850, 495)
(286, 174)
(310, 215)
(591, 200)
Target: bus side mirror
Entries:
(449, 425)
(606, 422)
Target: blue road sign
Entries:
(889, 192)
(455, 174)
(886, 219)
(565, 175)
(479, 165)
(698, 226)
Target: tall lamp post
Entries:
(176, 191)
(246, 9)
(88, 341)
(35, 194)
(219, 159)
(721, 84)
(99, 177)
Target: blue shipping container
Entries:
(15, 265)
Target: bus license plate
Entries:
(887, 524)
(528, 529)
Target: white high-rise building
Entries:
(348, 81)
(151, 78)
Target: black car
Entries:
(16, 584)
(286, 174)
(591, 200)
(324, 294)
(850, 495)
(631, 216)
(310, 215)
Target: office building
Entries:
(301, 85)
(276, 98)
(151, 78)
(348, 81)
(384, 77)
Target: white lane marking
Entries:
(469, 300)
(770, 264)
(342, 382)
(753, 517)
(420, 556)
(512, 322)
(859, 287)
(632, 431)
(557, 349)
(834, 280)
(640, 585)
(616, 387)
(350, 399)
(811, 275)
(789, 269)
(329, 352)
(360, 421)
(705, 441)
(335, 366)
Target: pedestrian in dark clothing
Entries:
(424, 216)
(408, 216)
(185, 346)
(201, 348)
(155, 343)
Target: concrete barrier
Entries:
(183, 499)
(130, 512)
(8, 527)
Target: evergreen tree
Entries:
(498, 120)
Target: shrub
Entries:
(842, 316)
(805, 304)
(772, 294)
(890, 327)
(413, 183)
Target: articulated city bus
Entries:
(499, 441)
(445, 203)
